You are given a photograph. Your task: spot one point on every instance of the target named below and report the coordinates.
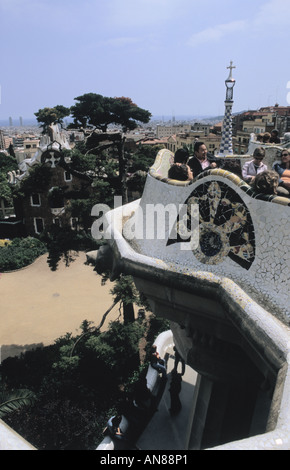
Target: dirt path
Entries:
(38, 306)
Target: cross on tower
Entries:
(231, 67)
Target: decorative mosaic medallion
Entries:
(51, 156)
(225, 225)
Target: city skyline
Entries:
(169, 56)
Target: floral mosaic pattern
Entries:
(225, 226)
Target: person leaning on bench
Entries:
(156, 362)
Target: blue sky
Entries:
(168, 56)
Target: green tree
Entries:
(75, 392)
(38, 180)
(124, 290)
(92, 110)
(11, 151)
(99, 112)
(7, 163)
(11, 401)
(143, 158)
(48, 116)
(118, 348)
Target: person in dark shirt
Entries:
(201, 161)
(181, 156)
(275, 139)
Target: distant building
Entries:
(258, 126)
(2, 141)
(47, 202)
(241, 143)
(7, 142)
(263, 120)
(25, 145)
(211, 140)
(50, 205)
(201, 127)
(153, 141)
(167, 131)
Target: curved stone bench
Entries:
(245, 298)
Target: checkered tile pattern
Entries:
(226, 142)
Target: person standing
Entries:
(174, 390)
(177, 359)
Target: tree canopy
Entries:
(99, 111)
(48, 116)
(7, 163)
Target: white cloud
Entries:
(217, 32)
(273, 15)
(273, 12)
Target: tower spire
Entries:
(226, 141)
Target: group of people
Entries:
(185, 168)
(176, 378)
(274, 181)
(143, 399)
(269, 138)
(254, 172)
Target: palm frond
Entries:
(13, 401)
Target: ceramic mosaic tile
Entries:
(226, 227)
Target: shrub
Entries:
(77, 388)
(20, 253)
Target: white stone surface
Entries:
(10, 440)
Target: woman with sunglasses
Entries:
(283, 170)
(252, 168)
